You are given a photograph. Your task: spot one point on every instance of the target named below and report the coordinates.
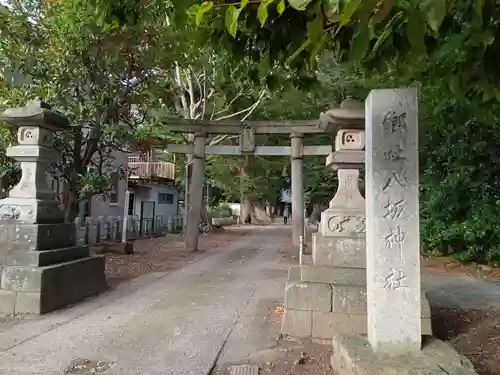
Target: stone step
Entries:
(46, 257)
(38, 290)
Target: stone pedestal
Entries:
(352, 355)
(41, 268)
(329, 297)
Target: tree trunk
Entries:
(245, 201)
(186, 189)
(260, 216)
(4, 186)
(71, 206)
(205, 216)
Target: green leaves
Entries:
(360, 42)
(231, 20)
(262, 12)
(416, 30)
(202, 9)
(331, 9)
(349, 9)
(299, 4)
(281, 7)
(315, 28)
(436, 14)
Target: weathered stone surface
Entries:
(338, 252)
(16, 278)
(392, 214)
(7, 301)
(29, 237)
(31, 210)
(296, 323)
(43, 269)
(308, 296)
(46, 257)
(348, 195)
(293, 273)
(349, 299)
(339, 223)
(345, 159)
(326, 324)
(352, 355)
(330, 275)
(43, 289)
(353, 300)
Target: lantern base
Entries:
(38, 290)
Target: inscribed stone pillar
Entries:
(392, 209)
(297, 188)
(196, 193)
(41, 269)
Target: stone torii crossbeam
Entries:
(247, 131)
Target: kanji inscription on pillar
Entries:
(392, 221)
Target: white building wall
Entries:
(150, 194)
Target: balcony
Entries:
(142, 168)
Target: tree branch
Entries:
(227, 107)
(218, 139)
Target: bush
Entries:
(222, 210)
(460, 186)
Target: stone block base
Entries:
(323, 309)
(352, 355)
(325, 325)
(330, 251)
(329, 275)
(38, 290)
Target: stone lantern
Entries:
(41, 267)
(346, 212)
(32, 200)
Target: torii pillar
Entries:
(297, 162)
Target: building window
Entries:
(165, 198)
(113, 194)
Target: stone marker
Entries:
(41, 269)
(398, 314)
(392, 221)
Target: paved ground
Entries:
(461, 292)
(214, 310)
(161, 324)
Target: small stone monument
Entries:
(393, 344)
(41, 268)
(337, 277)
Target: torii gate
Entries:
(247, 131)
